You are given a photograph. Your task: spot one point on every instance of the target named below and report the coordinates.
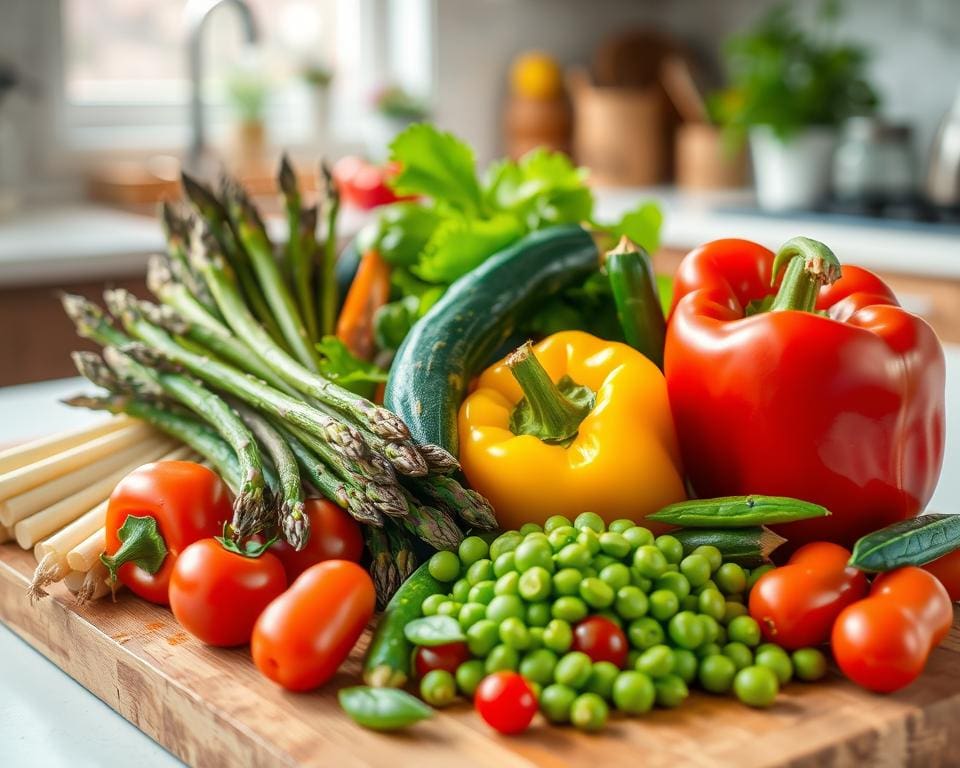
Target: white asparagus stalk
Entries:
(91, 585)
(27, 453)
(19, 507)
(25, 478)
(87, 552)
(30, 530)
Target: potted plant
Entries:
(790, 89)
(394, 109)
(247, 91)
(317, 78)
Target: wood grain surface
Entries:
(210, 707)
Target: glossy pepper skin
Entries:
(843, 407)
(624, 460)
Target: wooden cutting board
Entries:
(211, 707)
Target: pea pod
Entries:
(382, 709)
(635, 293)
(748, 547)
(917, 541)
(738, 512)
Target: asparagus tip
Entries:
(286, 176)
(387, 499)
(385, 423)
(439, 459)
(405, 458)
(295, 524)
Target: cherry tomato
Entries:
(217, 595)
(601, 640)
(796, 604)
(506, 702)
(304, 635)
(447, 657)
(188, 501)
(334, 535)
(883, 641)
(947, 570)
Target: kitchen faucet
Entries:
(195, 15)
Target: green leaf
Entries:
(338, 364)
(400, 232)
(392, 322)
(436, 164)
(382, 709)
(917, 541)
(459, 245)
(642, 225)
(434, 630)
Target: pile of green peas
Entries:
(518, 601)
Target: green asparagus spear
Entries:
(433, 526)
(402, 550)
(447, 494)
(301, 243)
(329, 301)
(383, 568)
(176, 230)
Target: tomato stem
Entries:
(141, 544)
(807, 265)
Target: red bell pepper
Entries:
(824, 389)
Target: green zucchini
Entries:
(387, 663)
(738, 512)
(449, 344)
(635, 293)
(748, 547)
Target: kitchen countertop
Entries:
(46, 719)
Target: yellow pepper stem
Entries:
(548, 411)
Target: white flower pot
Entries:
(791, 174)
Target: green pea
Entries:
(590, 520)
(483, 592)
(756, 686)
(471, 549)
(731, 578)
(558, 636)
(696, 568)
(569, 608)
(589, 712)
(556, 701)
(656, 661)
(556, 521)
(573, 669)
(685, 630)
(716, 673)
(731, 610)
(461, 590)
(776, 659)
(602, 676)
(633, 656)
(620, 525)
(711, 628)
(482, 570)
(649, 561)
(708, 584)
(711, 603)
(596, 593)
(590, 539)
(535, 584)
(513, 632)
(482, 637)
(449, 608)
(631, 603)
(644, 633)
(633, 693)
(431, 603)
(560, 537)
(617, 575)
(663, 604)
(601, 561)
(538, 614)
(508, 584)
(538, 666)
(671, 691)
(536, 637)
(809, 664)
(502, 657)
(438, 688)
(505, 606)
(671, 547)
(690, 603)
(574, 555)
(504, 564)
(744, 629)
(675, 582)
(527, 528)
(614, 545)
(444, 566)
(505, 542)
(672, 568)
(756, 573)
(637, 536)
(685, 664)
(468, 676)
(470, 614)
(639, 581)
(713, 555)
(533, 553)
(739, 654)
(567, 581)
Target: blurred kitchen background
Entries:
(749, 118)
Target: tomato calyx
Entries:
(140, 544)
(253, 547)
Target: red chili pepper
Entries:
(832, 393)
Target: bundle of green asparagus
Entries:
(230, 362)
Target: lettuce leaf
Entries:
(460, 244)
(338, 364)
(641, 225)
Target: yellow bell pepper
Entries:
(593, 433)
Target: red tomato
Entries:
(363, 184)
(334, 535)
(883, 642)
(448, 657)
(947, 570)
(188, 501)
(601, 640)
(797, 603)
(217, 595)
(304, 635)
(506, 701)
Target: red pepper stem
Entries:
(809, 265)
(552, 417)
(140, 543)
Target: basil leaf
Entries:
(917, 541)
(382, 709)
(434, 630)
